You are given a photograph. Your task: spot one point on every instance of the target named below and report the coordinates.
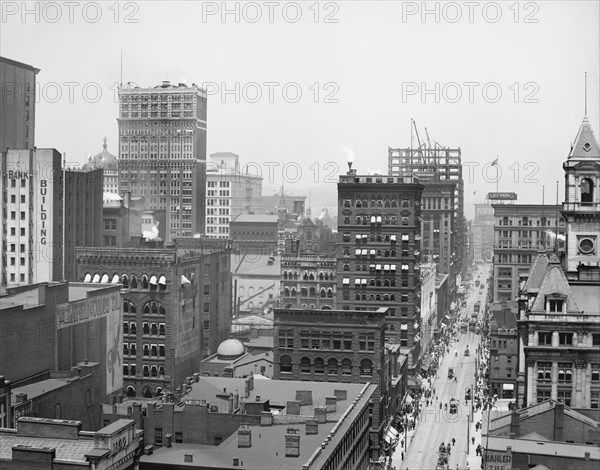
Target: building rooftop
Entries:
(31, 295)
(536, 275)
(268, 443)
(256, 219)
(72, 450)
(585, 146)
(39, 388)
(258, 265)
(535, 447)
(554, 282)
(19, 64)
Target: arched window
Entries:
(326, 307)
(303, 292)
(133, 282)
(305, 276)
(285, 275)
(312, 292)
(321, 276)
(305, 365)
(323, 292)
(130, 391)
(332, 367)
(346, 367)
(125, 369)
(144, 282)
(319, 366)
(293, 292)
(125, 281)
(285, 364)
(147, 392)
(295, 274)
(330, 293)
(286, 292)
(366, 368)
(505, 221)
(587, 191)
(158, 391)
(153, 371)
(289, 306)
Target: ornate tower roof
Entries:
(585, 146)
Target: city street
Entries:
(437, 425)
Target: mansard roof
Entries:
(555, 282)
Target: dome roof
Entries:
(231, 348)
(104, 160)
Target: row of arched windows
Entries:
(308, 292)
(331, 367)
(309, 276)
(152, 282)
(310, 307)
(150, 308)
(146, 392)
(388, 203)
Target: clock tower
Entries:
(581, 208)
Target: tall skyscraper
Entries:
(378, 255)
(17, 113)
(162, 152)
(444, 226)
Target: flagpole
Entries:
(497, 173)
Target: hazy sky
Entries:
(366, 64)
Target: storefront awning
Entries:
(508, 387)
(409, 399)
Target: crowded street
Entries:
(447, 430)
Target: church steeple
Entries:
(585, 146)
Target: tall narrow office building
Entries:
(162, 153)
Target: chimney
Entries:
(257, 398)
(149, 449)
(304, 397)
(514, 424)
(266, 418)
(292, 408)
(321, 414)
(230, 409)
(341, 395)
(196, 377)
(236, 462)
(331, 404)
(248, 386)
(244, 436)
(312, 427)
(188, 458)
(167, 440)
(559, 421)
(292, 442)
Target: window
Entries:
(545, 338)
(596, 339)
(332, 366)
(565, 339)
(305, 365)
(366, 368)
(285, 364)
(564, 397)
(544, 371)
(319, 366)
(158, 436)
(543, 395)
(346, 367)
(595, 400)
(178, 437)
(556, 305)
(595, 372)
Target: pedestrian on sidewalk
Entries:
(453, 442)
(473, 440)
(402, 455)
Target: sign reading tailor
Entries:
(503, 196)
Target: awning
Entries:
(378, 267)
(508, 387)
(452, 305)
(364, 252)
(372, 253)
(96, 279)
(393, 267)
(373, 219)
(88, 278)
(358, 237)
(386, 267)
(378, 219)
(405, 267)
(184, 280)
(371, 266)
(115, 279)
(404, 326)
(357, 282)
(153, 280)
(357, 252)
(346, 280)
(393, 238)
(162, 280)
(405, 238)
(392, 433)
(364, 282)
(409, 399)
